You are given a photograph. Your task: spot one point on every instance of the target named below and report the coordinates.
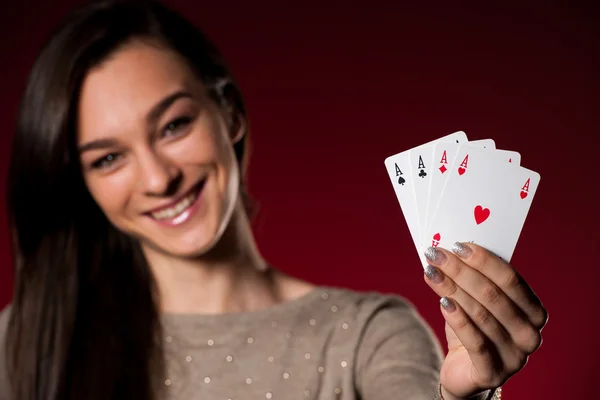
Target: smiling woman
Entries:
(161, 167)
(138, 277)
(145, 140)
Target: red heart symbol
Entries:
(461, 170)
(437, 237)
(481, 214)
(523, 194)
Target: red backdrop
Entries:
(334, 88)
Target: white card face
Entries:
(400, 173)
(421, 159)
(421, 163)
(443, 159)
(510, 156)
(485, 143)
(443, 162)
(486, 201)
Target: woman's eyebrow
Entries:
(153, 115)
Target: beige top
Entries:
(328, 344)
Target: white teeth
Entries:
(177, 209)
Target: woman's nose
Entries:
(158, 176)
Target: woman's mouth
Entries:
(180, 211)
(177, 209)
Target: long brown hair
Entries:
(84, 322)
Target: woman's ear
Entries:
(230, 100)
(237, 126)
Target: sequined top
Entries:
(328, 344)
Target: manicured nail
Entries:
(433, 274)
(434, 255)
(447, 304)
(461, 249)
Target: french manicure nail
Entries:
(434, 255)
(433, 274)
(461, 249)
(447, 304)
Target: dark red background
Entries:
(335, 87)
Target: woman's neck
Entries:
(231, 277)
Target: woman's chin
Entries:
(179, 249)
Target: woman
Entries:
(137, 276)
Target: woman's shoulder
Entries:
(371, 307)
(362, 301)
(334, 302)
(378, 320)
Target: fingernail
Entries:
(433, 274)
(461, 249)
(447, 304)
(434, 255)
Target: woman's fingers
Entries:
(506, 278)
(509, 355)
(485, 300)
(477, 315)
(487, 362)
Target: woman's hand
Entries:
(493, 318)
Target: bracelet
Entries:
(495, 395)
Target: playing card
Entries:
(485, 143)
(401, 176)
(428, 188)
(485, 201)
(510, 156)
(420, 160)
(444, 159)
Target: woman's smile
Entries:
(180, 210)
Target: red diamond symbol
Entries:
(443, 168)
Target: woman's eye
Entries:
(176, 126)
(106, 161)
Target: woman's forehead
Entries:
(125, 88)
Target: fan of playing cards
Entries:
(455, 190)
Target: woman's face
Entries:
(156, 153)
